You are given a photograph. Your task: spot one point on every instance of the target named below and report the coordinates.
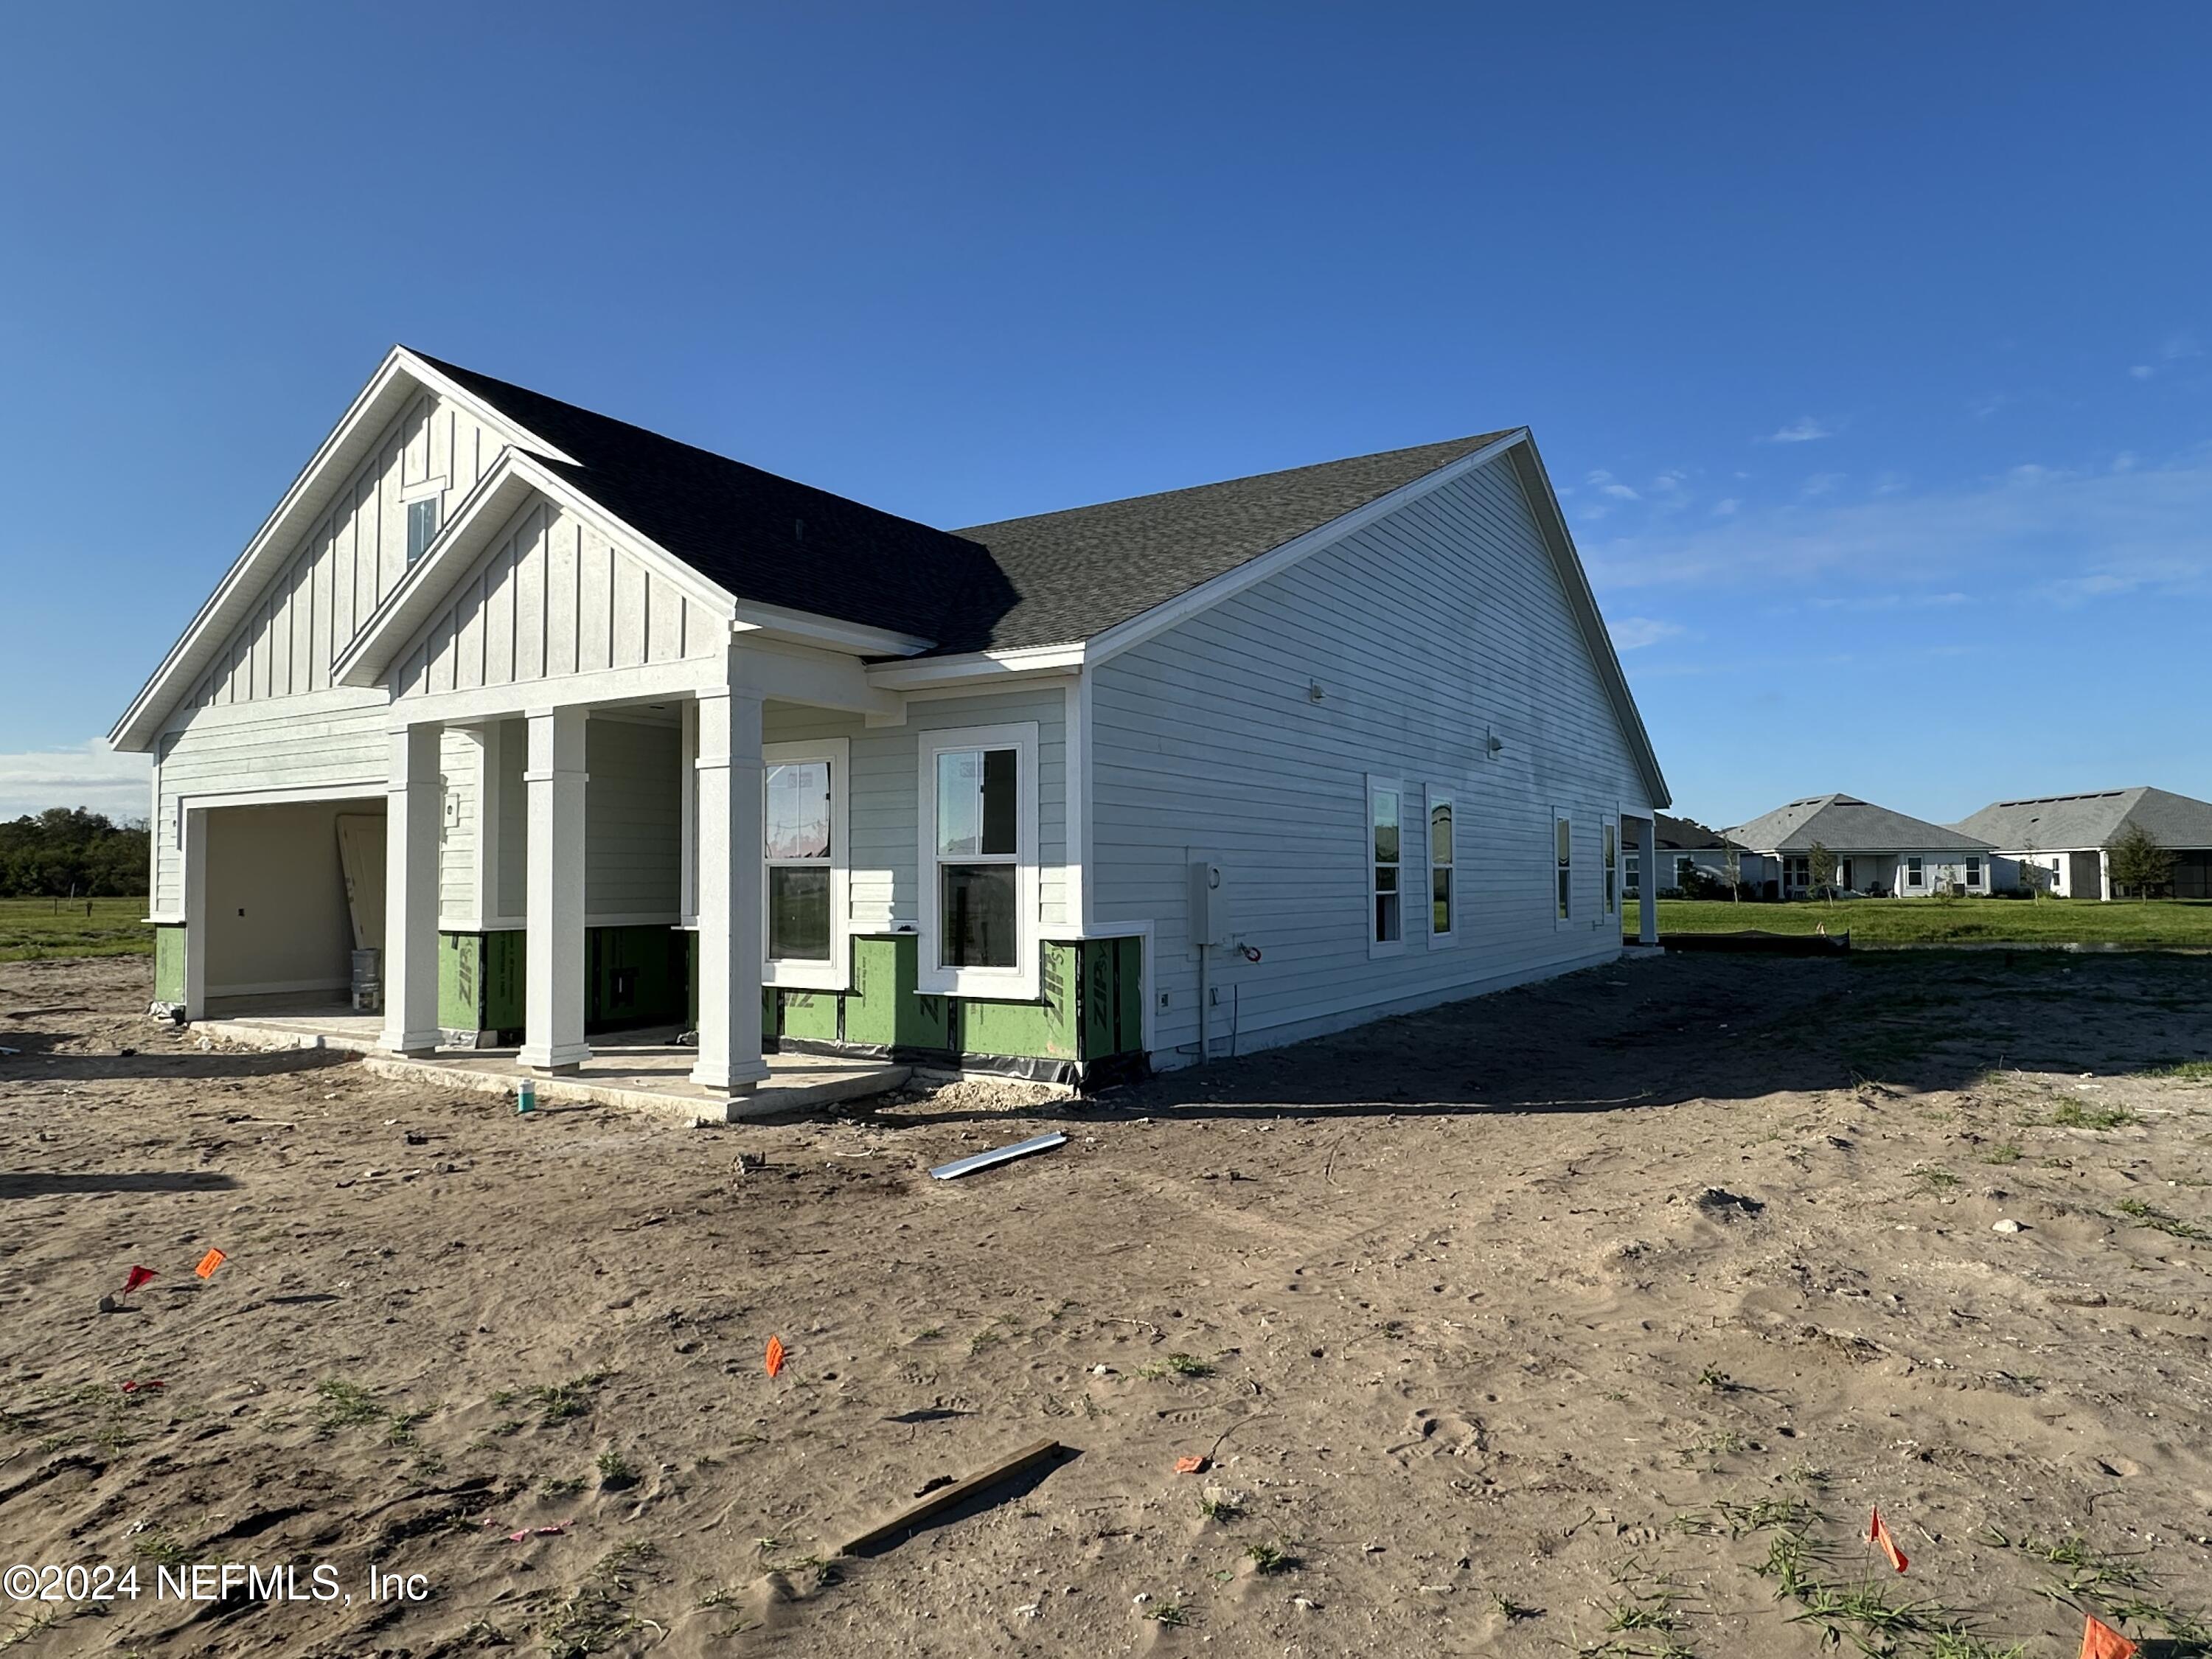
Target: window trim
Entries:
(1631, 874)
(1378, 783)
(1433, 796)
(1976, 869)
(1020, 982)
(1563, 915)
(1915, 871)
(836, 973)
(1608, 864)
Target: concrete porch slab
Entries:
(643, 1071)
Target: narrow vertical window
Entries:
(1973, 872)
(1612, 863)
(1443, 901)
(1382, 814)
(798, 850)
(1632, 881)
(422, 525)
(1563, 853)
(1915, 874)
(978, 855)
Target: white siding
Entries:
(221, 754)
(341, 569)
(632, 820)
(553, 596)
(457, 831)
(1425, 631)
(884, 793)
(510, 880)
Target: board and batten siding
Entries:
(553, 596)
(883, 792)
(1425, 631)
(343, 568)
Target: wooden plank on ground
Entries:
(946, 1497)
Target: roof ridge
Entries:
(1471, 442)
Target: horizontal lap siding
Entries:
(632, 820)
(1424, 631)
(883, 792)
(553, 596)
(284, 751)
(343, 569)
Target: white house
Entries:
(1879, 853)
(2067, 837)
(584, 728)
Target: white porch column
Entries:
(414, 796)
(553, 916)
(1647, 898)
(728, 785)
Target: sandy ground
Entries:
(1586, 1318)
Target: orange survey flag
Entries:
(1878, 1533)
(210, 1263)
(2100, 1641)
(775, 1355)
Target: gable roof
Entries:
(752, 533)
(1844, 823)
(1055, 579)
(1078, 573)
(2077, 822)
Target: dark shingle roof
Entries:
(1054, 579)
(764, 537)
(1079, 573)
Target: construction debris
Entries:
(946, 1497)
(959, 1167)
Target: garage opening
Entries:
(292, 890)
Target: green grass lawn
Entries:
(1950, 922)
(32, 928)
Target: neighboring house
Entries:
(584, 728)
(2067, 835)
(1686, 846)
(1879, 853)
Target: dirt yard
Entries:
(1589, 1318)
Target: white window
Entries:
(422, 525)
(1610, 853)
(805, 863)
(1914, 875)
(1797, 873)
(1444, 898)
(1385, 810)
(978, 793)
(1684, 864)
(1973, 872)
(1633, 875)
(1562, 856)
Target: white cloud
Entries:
(91, 775)
(1824, 483)
(1726, 507)
(1606, 484)
(1803, 430)
(2142, 371)
(2069, 535)
(1634, 633)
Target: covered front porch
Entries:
(643, 1070)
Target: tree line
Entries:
(69, 852)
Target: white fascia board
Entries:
(810, 628)
(397, 378)
(1126, 635)
(1551, 523)
(502, 492)
(978, 667)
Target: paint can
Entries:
(526, 1097)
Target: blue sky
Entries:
(1868, 348)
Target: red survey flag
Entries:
(2100, 1641)
(134, 1278)
(1877, 1533)
(210, 1263)
(775, 1355)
